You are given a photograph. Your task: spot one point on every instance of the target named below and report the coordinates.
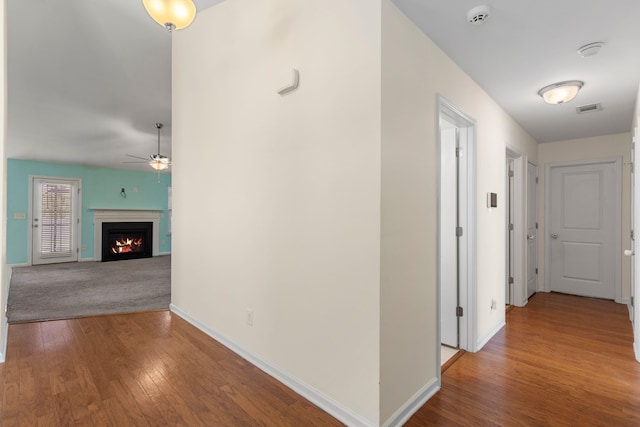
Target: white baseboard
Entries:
(86, 259)
(636, 348)
(405, 412)
(630, 308)
(22, 264)
(327, 404)
(3, 342)
(488, 337)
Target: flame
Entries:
(126, 245)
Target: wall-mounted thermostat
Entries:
(492, 200)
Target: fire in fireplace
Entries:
(126, 240)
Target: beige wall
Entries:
(277, 199)
(600, 147)
(318, 210)
(414, 72)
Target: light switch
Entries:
(19, 215)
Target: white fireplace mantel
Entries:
(124, 215)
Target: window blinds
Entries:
(56, 219)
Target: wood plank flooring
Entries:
(146, 369)
(560, 361)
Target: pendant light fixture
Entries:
(171, 14)
(559, 93)
(158, 161)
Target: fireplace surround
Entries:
(101, 216)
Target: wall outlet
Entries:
(249, 317)
(84, 247)
(19, 215)
(135, 189)
(494, 304)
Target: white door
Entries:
(448, 244)
(532, 229)
(54, 220)
(584, 203)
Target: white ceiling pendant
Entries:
(171, 14)
(559, 93)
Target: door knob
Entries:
(554, 235)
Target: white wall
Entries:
(277, 199)
(3, 174)
(414, 72)
(599, 147)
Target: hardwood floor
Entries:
(562, 360)
(138, 370)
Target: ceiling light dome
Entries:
(559, 93)
(171, 14)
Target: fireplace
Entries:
(126, 240)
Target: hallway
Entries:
(561, 360)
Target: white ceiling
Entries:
(87, 80)
(528, 44)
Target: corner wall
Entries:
(3, 179)
(599, 147)
(414, 72)
(276, 198)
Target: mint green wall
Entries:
(100, 190)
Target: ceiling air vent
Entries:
(588, 108)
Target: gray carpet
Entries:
(80, 289)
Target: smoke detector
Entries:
(590, 49)
(479, 15)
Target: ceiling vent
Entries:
(588, 108)
(479, 15)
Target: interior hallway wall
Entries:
(3, 179)
(277, 198)
(599, 147)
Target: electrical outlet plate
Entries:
(249, 317)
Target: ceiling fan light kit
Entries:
(559, 93)
(158, 161)
(171, 14)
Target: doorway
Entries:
(583, 212)
(55, 222)
(532, 229)
(456, 230)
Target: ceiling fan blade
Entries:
(136, 157)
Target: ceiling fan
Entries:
(158, 161)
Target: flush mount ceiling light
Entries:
(559, 93)
(171, 14)
(478, 15)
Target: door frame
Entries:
(32, 178)
(617, 162)
(635, 284)
(525, 289)
(519, 296)
(468, 294)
